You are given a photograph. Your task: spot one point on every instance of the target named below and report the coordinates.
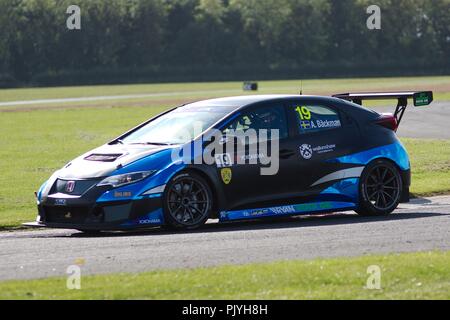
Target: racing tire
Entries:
(380, 189)
(187, 202)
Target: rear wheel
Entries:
(187, 201)
(380, 189)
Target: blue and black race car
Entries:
(311, 155)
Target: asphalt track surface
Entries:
(429, 122)
(423, 224)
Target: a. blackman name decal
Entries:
(328, 124)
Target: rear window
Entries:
(314, 118)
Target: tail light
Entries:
(387, 120)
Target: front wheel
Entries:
(380, 189)
(187, 201)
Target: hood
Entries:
(104, 160)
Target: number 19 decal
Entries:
(304, 113)
(223, 160)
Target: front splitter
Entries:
(90, 227)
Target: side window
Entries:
(262, 118)
(313, 118)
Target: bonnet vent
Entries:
(103, 157)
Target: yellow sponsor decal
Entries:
(122, 194)
(226, 175)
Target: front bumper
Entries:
(105, 216)
(88, 212)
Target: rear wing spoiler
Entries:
(420, 98)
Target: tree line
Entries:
(196, 40)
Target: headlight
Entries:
(127, 178)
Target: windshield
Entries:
(178, 126)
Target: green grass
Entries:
(430, 162)
(403, 276)
(34, 143)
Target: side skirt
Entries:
(289, 210)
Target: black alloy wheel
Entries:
(380, 188)
(187, 201)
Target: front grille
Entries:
(66, 214)
(79, 186)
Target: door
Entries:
(252, 171)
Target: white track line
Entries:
(105, 98)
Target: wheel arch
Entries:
(384, 159)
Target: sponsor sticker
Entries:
(226, 175)
(284, 210)
(149, 221)
(306, 151)
(257, 212)
(422, 98)
(253, 157)
(304, 208)
(325, 148)
(60, 202)
(123, 194)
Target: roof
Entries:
(242, 101)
